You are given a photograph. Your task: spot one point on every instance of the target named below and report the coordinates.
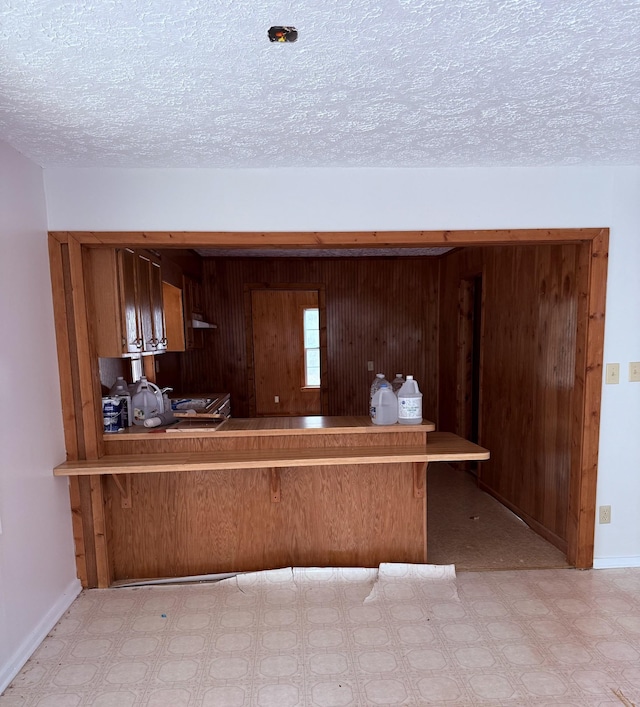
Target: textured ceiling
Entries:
(401, 83)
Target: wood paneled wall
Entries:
(377, 309)
(529, 330)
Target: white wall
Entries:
(37, 568)
(404, 199)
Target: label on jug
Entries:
(410, 408)
(112, 414)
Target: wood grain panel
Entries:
(183, 524)
(530, 312)
(156, 444)
(377, 309)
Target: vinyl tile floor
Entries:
(400, 635)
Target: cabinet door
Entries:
(157, 309)
(132, 339)
(172, 304)
(143, 282)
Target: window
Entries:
(311, 328)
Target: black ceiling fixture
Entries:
(283, 34)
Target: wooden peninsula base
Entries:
(261, 493)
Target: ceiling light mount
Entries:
(283, 34)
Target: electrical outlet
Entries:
(604, 514)
(369, 365)
(613, 373)
(634, 372)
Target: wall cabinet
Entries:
(124, 289)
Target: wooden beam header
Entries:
(326, 239)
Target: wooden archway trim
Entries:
(78, 376)
(328, 239)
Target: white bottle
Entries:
(164, 418)
(145, 402)
(397, 382)
(120, 389)
(384, 406)
(377, 382)
(409, 403)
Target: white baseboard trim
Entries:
(610, 563)
(39, 633)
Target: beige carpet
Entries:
(470, 529)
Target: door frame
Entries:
(248, 324)
(466, 346)
(79, 382)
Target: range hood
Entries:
(197, 322)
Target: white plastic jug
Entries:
(384, 406)
(409, 403)
(146, 401)
(375, 386)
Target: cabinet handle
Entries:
(137, 343)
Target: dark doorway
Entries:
(469, 360)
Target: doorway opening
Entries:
(78, 370)
(469, 362)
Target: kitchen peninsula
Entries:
(265, 492)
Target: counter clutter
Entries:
(144, 404)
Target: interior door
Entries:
(279, 352)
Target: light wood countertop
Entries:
(270, 427)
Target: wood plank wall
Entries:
(377, 309)
(530, 302)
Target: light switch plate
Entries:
(369, 365)
(613, 373)
(634, 372)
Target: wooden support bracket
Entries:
(419, 479)
(275, 485)
(125, 490)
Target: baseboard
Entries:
(610, 563)
(39, 633)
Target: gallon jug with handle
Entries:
(146, 401)
(409, 403)
(384, 406)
